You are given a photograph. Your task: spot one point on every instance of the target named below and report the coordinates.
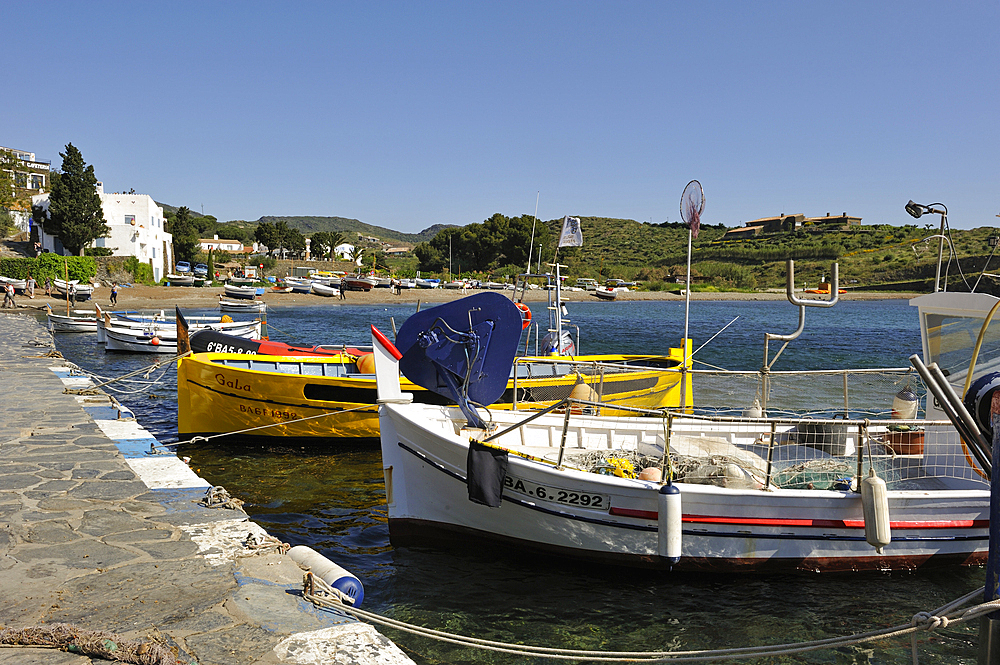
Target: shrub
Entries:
(50, 266)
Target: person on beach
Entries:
(48, 287)
(72, 292)
(114, 293)
(343, 292)
(8, 295)
(29, 286)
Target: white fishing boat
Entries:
(408, 283)
(324, 290)
(20, 285)
(241, 305)
(163, 338)
(606, 293)
(80, 291)
(383, 282)
(181, 280)
(298, 285)
(357, 283)
(78, 321)
(240, 292)
(427, 283)
(773, 470)
(457, 284)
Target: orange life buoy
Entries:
(525, 315)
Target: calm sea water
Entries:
(334, 501)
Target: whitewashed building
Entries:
(231, 246)
(137, 229)
(343, 251)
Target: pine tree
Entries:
(75, 213)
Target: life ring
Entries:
(525, 315)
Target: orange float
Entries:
(525, 315)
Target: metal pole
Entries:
(687, 312)
(989, 625)
(937, 275)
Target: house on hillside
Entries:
(136, 226)
(31, 178)
(344, 250)
(787, 223)
(224, 245)
(396, 251)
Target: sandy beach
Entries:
(158, 297)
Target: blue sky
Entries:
(407, 114)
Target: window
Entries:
(154, 252)
(130, 220)
(99, 242)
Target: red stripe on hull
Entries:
(819, 524)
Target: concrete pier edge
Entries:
(98, 531)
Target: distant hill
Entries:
(310, 225)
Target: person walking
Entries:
(114, 293)
(29, 286)
(8, 295)
(343, 291)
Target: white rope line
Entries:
(284, 422)
(922, 621)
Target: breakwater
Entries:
(100, 530)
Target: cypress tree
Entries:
(75, 213)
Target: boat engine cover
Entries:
(482, 329)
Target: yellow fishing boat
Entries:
(309, 398)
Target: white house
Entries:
(231, 246)
(344, 250)
(136, 224)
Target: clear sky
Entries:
(407, 114)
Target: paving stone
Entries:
(197, 623)
(16, 481)
(103, 521)
(118, 475)
(99, 489)
(63, 503)
(135, 596)
(27, 656)
(137, 536)
(84, 553)
(58, 466)
(50, 532)
(14, 467)
(54, 486)
(85, 473)
(236, 645)
(168, 550)
(50, 473)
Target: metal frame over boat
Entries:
(761, 490)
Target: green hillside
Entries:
(872, 257)
(310, 225)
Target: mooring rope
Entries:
(147, 371)
(197, 439)
(322, 595)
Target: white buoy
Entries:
(875, 504)
(329, 572)
(668, 523)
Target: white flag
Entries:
(572, 234)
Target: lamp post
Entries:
(916, 210)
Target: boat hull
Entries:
(204, 406)
(723, 529)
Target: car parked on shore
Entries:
(201, 269)
(182, 267)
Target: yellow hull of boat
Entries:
(214, 398)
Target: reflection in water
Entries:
(333, 499)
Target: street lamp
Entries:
(916, 210)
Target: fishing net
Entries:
(97, 643)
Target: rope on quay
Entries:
(147, 371)
(101, 644)
(199, 439)
(218, 497)
(322, 595)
